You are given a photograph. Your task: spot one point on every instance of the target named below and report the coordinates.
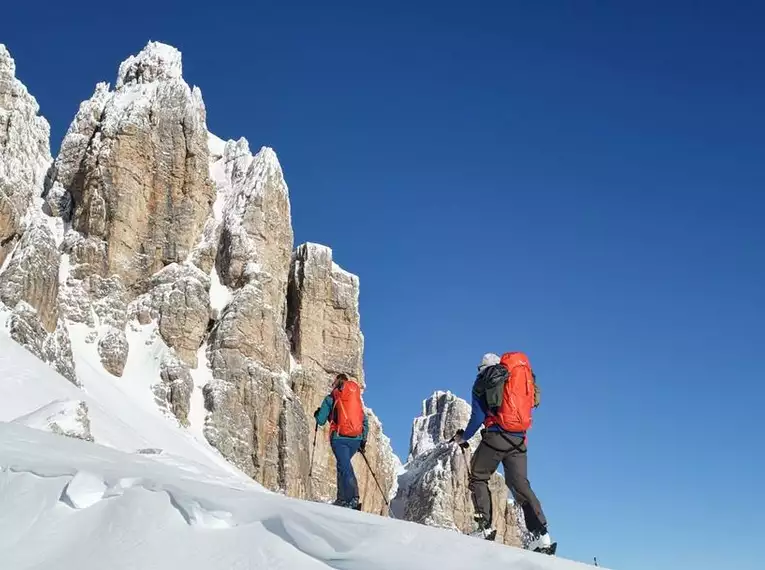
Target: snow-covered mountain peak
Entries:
(155, 62)
(24, 135)
(443, 414)
(7, 65)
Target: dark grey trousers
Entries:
(510, 450)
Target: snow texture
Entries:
(121, 411)
(73, 505)
(63, 417)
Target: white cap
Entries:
(489, 359)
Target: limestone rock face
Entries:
(32, 275)
(57, 351)
(442, 415)
(113, 350)
(24, 152)
(25, 328)
(174, 390)
(249, 401)
(179, 300)
(324, 327)
(29, 258)
(135, 162)
(132, 182)
(145, 218)
(324, 321)
(433, 489)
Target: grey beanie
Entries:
(489, 359)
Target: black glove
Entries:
(363, 446)
(459, 439)
(316, 413)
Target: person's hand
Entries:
(459, 439)
(316, 413)
(363, 446)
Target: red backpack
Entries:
(518, 396)
(348, 410)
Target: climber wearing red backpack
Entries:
(348, 434)
(504, 394)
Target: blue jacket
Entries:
(326, 410)
(477, 417)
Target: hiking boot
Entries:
(483, 529)
(354, 504)
(540, 542)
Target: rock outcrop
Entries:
(24, 153)
(135, 163)
(146, 223)
(63, 417)
(132, 180)
(262, 398)
(29, 259)
(433, 489)
(249, 401)
(174, 390)
(326, 338)
(32, 274)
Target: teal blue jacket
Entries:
(326, 409)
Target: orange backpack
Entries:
(518, 396)
(348, 411)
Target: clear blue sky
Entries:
(584, 183)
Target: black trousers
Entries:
(495, 448)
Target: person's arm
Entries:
(322, 413)
(365, 432)
(477, 416)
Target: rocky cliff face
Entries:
(146, 222)
(24, 153)
(135, 164)
(29, 261)
(132, 182)
(326, 338)
(433, 488)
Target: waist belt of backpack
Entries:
(521, 447)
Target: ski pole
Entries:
(313, 449)
(385, 499)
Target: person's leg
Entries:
(516, 478)
(351, 484)
(342, 460)
(347, 486)
(485, 462)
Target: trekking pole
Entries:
(382, 493)
(313, 449)
(467, 463)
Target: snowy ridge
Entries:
(73, 504)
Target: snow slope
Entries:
(121, 411)
(68, 504)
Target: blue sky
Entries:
(582, 181)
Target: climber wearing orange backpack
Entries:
(504, 394)
(348, 434)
